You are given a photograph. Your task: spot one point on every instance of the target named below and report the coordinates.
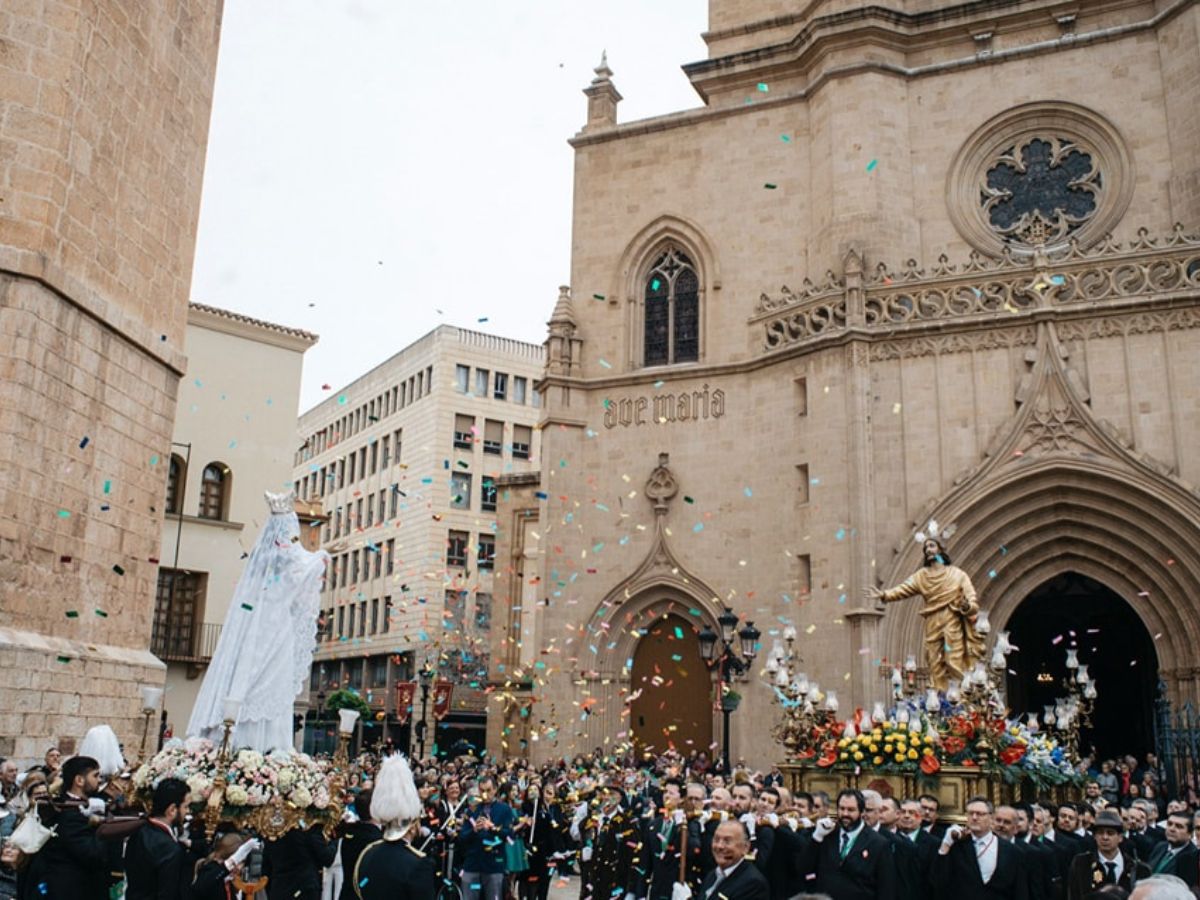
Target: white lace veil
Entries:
(264, 655)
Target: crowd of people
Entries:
(662, 828)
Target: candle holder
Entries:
(216, 800)
(151, 698)
(809, 716)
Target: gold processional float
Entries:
(947, 731)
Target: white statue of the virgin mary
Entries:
(264, 655)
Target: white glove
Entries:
(240, 854)
(773, 820)
(95, 807)
(824, 828)
(749, 821)
(680, 891)
(805, 822)
(704, 817)
(629, 895)
(679, 817)
(950, 837)
(586, 854)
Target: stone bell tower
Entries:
(104, 114)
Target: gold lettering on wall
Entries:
(660, 409)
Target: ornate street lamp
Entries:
(731, 662)
(425, 676)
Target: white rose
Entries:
(237, 796)
(301, 797)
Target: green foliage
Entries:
(347, 699)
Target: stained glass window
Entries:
(1040, 191)
(672, 323)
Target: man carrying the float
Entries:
(952, 645)
(391, 868)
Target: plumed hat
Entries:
(102, 745)
(395, 799)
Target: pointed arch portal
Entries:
(1078, 612)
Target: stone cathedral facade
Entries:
(906, 260)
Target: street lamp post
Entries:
(426, 678)
(731, 662)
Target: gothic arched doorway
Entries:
(672, 689)
(1072, 611)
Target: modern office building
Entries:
(403, 461)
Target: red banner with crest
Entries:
(443, 691)
(406, 692)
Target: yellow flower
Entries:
(858, 757)
(903, 726)
(899, 757)
(843, 742)
(928, 751)
(887, 748)
(878, 761)
(843, 756)
(912, 754)
(929, 739)
(872, 747)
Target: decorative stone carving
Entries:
(662, 487)
(984, 293)
(966, 342)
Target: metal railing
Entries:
(1177, 746)
(186, 644)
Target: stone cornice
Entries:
(820, 79)
(36, 267)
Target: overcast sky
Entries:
(371, 162)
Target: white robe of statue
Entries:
(264, 656)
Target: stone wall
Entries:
(104, 111)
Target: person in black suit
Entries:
(1057, 852)
(910, 876)
(930, 805)
(1005, 824)
(294, 863)
(975, 864)
(909, 826)
(356, 837)
(846, 859)
(74, 864)
(391, 868)
(1106, 864)
(734, 878)
(156, 866)
(1177, 855)
(663, 836)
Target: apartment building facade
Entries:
(233, 439)
(403, 462)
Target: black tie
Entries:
(1110, 873)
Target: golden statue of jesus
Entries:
(952, 645)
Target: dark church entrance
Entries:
(1072, 611)
(672, 706)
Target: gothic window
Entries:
(214, 492)
(1040, 191)
(176, 481)
(672, 312)
(1039, 176)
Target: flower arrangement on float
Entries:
(966, 726)
(250, 785)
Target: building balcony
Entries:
(189, 645)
